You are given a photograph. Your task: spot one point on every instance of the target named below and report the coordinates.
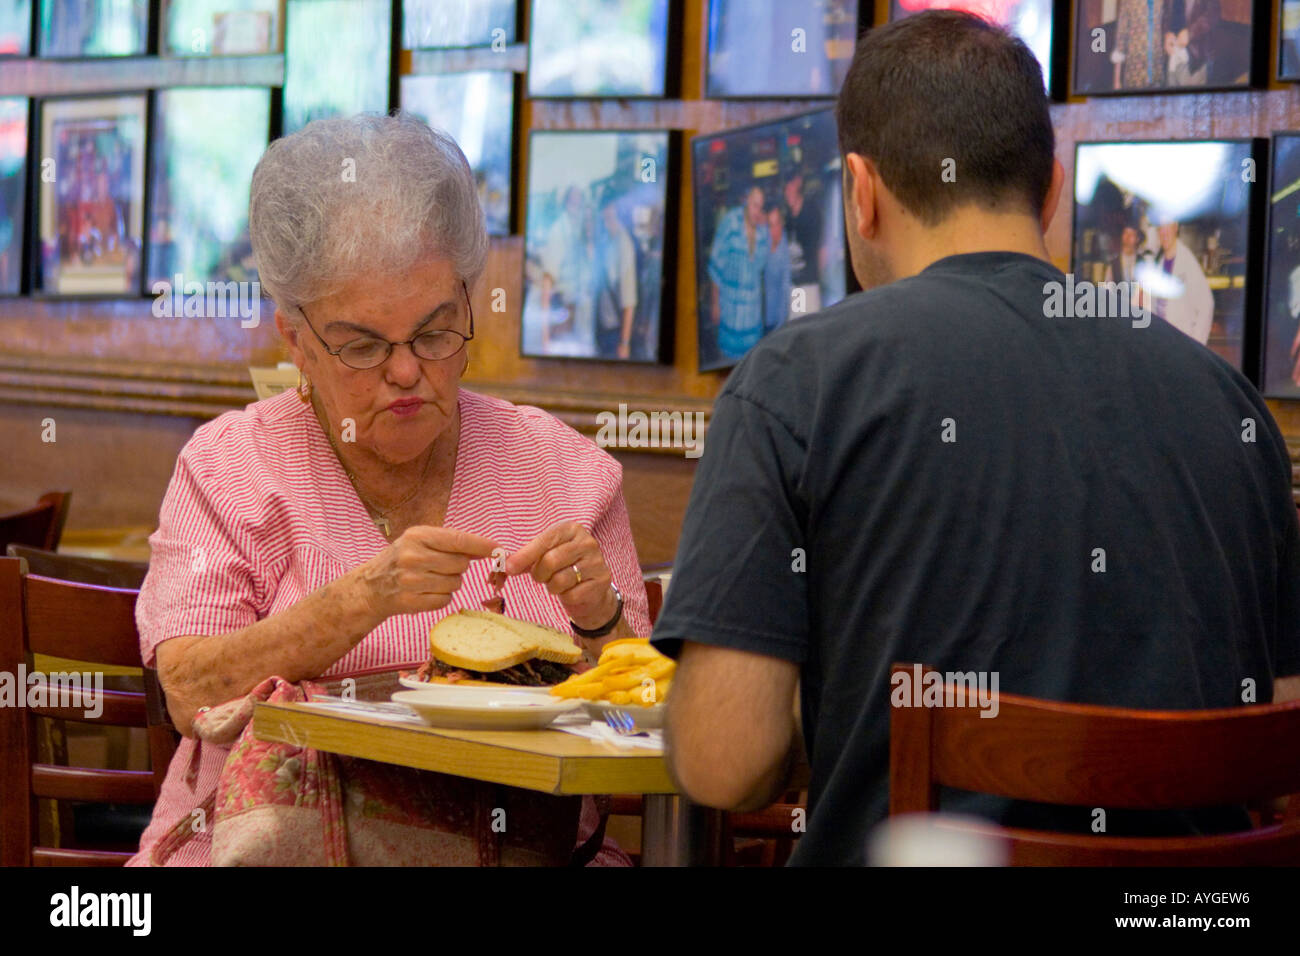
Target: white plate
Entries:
(490, 710)
(412, 684)
(647, 718)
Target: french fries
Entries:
(630, 673)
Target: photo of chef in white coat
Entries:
(1179, 292)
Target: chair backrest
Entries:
(652, 575)
(77, 622)
(1110, 757)
(654, 593)
(38, 527)
(105, 572)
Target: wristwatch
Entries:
(613, 621)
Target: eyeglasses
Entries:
(370, 351)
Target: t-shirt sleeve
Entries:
(739, 580)
(201, 580)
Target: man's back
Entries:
(937, 472)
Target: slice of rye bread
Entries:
(484, 641)
(552, 645)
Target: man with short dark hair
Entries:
(939, 471)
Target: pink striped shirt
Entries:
(259, 513)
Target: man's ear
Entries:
(1053, 194)
(862, 194)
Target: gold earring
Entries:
(304, 388)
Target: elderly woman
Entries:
(323, 532)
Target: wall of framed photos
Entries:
(127, 388)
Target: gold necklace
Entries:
(381, 522)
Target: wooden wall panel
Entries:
(117, 465)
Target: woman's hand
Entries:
(421, 570)
(567, 559)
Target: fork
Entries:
(621, 722)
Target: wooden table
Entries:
(673, 831)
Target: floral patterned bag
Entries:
(281, 805)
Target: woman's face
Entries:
(401, 406)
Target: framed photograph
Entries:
(221, 27)
(1288, 45)
(91, 209)
(1280, 343)
(1031, 20)
(15, 27)
(84, 28)
(437, 24)
(597, 237)
(780, 48)
(1147, 46)
(769, 231)
(1177, 221)
(353, 77)
(478, 109)
(203, 148)
(598, 48)
(13, 192)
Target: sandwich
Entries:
(481, 647)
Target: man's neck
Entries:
(965, 232)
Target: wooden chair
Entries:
(1109, 757)
(39, 527)
(53, 745)
(654, 587)
(83, 623)
(103, 572)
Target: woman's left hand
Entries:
(567, 559)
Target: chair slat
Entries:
(120, 709)
(81, 621)
(776, 821)
(51, 856)
(92, 786)
(1099, 756)
(1269, 846)
(105, 572)
(35, 526)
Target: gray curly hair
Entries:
(318, 221)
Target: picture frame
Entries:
(786, 49)
(478, 109)
(1178, 216)
(458, 24)
(15, 125)
(221, 27)
(1280, 320)
(1212, 48)
(599, 245)
(1288, 41)
(1042, 24)
(79, 29)
(204, 144)
(15, 28)
(354, 78)
(569, 58)
(90, 210)
(777, 178)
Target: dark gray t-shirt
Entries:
(928, 472)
